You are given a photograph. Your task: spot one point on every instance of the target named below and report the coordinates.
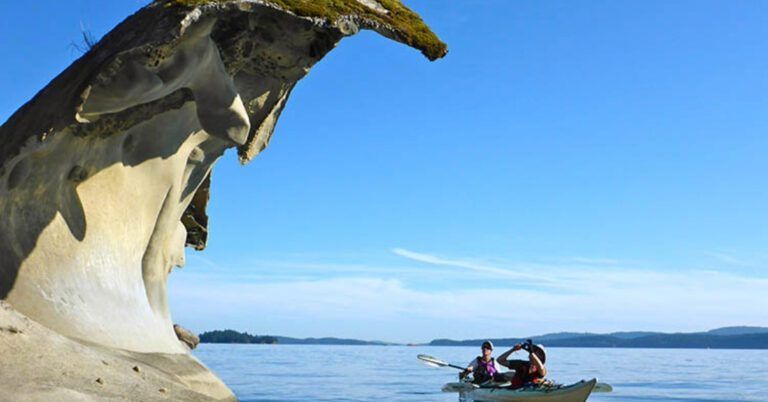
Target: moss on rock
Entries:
(406, 24)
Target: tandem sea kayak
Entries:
(578, 392)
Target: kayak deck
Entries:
(578, 392)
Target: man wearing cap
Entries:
(531, 371)
(483, 368)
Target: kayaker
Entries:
(531, 371)
(484, 367)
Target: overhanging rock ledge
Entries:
(105, 176)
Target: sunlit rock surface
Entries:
(104, 179)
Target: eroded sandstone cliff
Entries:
(104, 177)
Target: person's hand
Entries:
(517, 347)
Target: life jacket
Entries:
(485, 370)
(523, 376)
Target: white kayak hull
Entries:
(578, 392)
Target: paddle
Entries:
(602, 387)
(435, 362)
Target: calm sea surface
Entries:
(272, 373)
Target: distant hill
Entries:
(633, 334)
(738, 331)
(231, 336)
(560, 335)
(721, 338)
(546, 338)
(681, 341)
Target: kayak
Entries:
(578, 392)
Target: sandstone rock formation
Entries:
(105, 174)
(186, 336)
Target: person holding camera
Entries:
(531, 371)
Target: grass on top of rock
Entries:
(408, 25)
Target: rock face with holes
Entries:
(104, 175)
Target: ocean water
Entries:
(281, 373)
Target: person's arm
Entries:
(470, 368)
(538, 365)
(503, 359)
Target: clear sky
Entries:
(570, 165)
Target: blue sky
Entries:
(580, 166)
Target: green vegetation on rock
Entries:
(408, 25)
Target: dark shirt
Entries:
(523, 373)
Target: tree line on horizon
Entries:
(232, 336)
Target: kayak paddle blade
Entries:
(602, 387)
(435, 362)
(432, 361)
(459, 387)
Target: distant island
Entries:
(721, 338)
(742, 337)
(232, 336)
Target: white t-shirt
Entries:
(475, 365)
